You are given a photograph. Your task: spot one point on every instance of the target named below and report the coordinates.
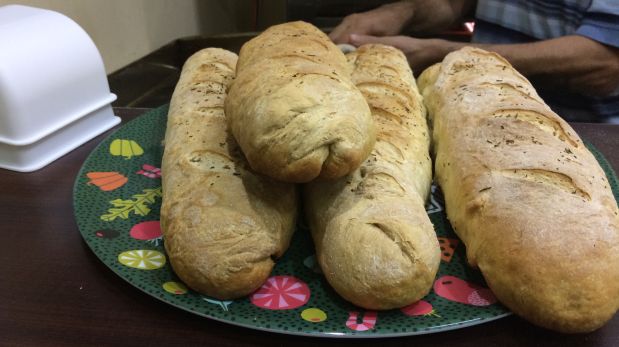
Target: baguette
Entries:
(293, 109)
(374, 240)
(527, 198)
(222, 224)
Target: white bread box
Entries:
(54, 94)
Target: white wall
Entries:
(126, 30)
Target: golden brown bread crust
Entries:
(293, 109)
(374, 240)
(221, 223)
(528, 199)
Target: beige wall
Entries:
(125, 30)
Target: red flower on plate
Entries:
(281, 293)
(150, 171)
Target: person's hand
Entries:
(421, 53)
(386, 20)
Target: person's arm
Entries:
(575, 62)
(417, 16)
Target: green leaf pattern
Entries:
(122, 208)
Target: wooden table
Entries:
(55, 292)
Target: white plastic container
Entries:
(54, 94)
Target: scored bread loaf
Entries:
(374, 240)
(293, 109)
(530, 202)
(222, 224)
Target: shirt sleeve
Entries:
(601, 22)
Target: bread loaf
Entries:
(528, 199)
(374, 240)
(293, 109)
(222, 224)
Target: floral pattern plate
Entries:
(117, 199)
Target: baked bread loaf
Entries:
(222, 224)
(374, 240)
(527, 198)
(293, 109)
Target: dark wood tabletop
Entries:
(54, 291)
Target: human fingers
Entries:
(338, 35)
(354, 23)
(396, 41)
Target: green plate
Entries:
(117, 199)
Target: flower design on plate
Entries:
(281, 293)
(150, 171)
(143, 259)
